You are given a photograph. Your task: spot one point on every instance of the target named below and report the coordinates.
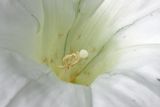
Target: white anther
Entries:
(83, 53)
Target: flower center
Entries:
(77, 44)
(80, 67)
(71, 59)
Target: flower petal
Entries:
(140, 42)
(18, 27)
(134, 81)
(143, 32)
(131, 88)
(27, 84)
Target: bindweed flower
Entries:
(79, 53)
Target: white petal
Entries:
(140, 43)
(27, 84)
(18, 26)
(132, 88)
(143, 32)
(132, 11)
(135, 82)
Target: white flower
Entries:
(112, 46)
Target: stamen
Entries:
(72, 59)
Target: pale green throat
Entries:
(77, 51)
(77, 42)
(80, 66)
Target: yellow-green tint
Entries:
(65, 35)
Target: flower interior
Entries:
(77, 49)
